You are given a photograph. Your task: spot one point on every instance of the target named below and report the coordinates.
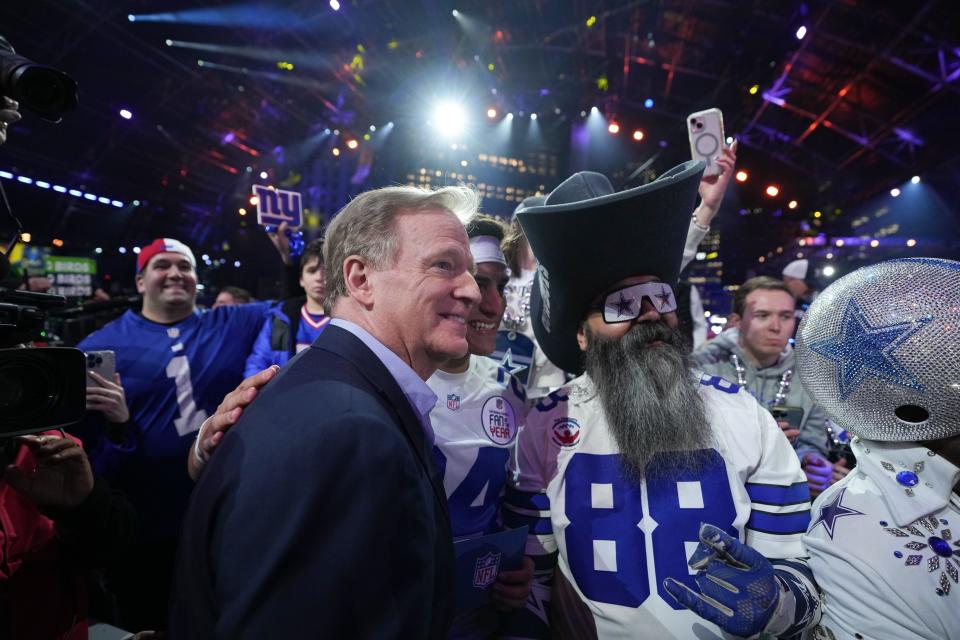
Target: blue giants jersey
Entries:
(476, 420)
(174, 376)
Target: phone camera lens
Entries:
(699, 125)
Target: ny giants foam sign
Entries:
(275, 206)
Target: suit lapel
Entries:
(348, 346)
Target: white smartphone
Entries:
(103, 362)
(705, 129)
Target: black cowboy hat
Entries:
(587, 236)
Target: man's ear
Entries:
(138, 279)
(582, 336)
(356, 275)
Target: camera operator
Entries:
(57, 520)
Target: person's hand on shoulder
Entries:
(228, 413)
(819, 471)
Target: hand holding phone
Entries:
(705, 130)
(103, 363)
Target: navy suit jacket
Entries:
(321, 514)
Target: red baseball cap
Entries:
(164, 245)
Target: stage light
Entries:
(263, 175)
(335, 5)
(131, 17)
(911, 242)
(75, 193)
(254, 201)
(464, 163)
(773, 191)
(829, 256)
(42, 184)
(455, 13)
(491, 113)
(122, 249)
(915, 179)
(839, 243)
(449, 119)
(242, 211)
(648, 103)
(125, 114)
(510, 116)
(136, 250)
(373, 127)
(637, 135)
(762, 259)
(25, 237)
(117, 204)
(754, 89)
(829, 271)
(894, 192)
(59, 189)
(817, 214)
(613, 128)
(874, 243)
(236, 263)
(98, 250)
(6, 174)
(103, 200)
(594, 110)
(792, 204)
(742, 176)
(352, 144)
(533, 116)
(592, 20)
(802, 31)
(24, 179)
(335, 151)
(90, 196)
(803, 242)
(799, 254)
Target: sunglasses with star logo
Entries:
(624, 305)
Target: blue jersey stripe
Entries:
(775, 494)
(539, 526)
(527, 500)
(779, 523)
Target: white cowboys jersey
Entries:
(476, 421)
(884, 546)
(619, 540)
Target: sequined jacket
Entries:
(884, 549)
(714, 357)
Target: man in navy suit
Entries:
(323, 515)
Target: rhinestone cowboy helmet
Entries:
(879, 350)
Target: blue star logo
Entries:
(512, 367)
(624, 306)
(862, 349)
(830, 512)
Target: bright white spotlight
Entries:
(335, 5)
(455, 13)
(449, 119)
(915, 179)
(802, 31)
(829, 271)
(510, 116)
(533, 116)
(894, 192)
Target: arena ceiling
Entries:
(867, 98)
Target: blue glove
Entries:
(739, 591)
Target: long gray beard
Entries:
(649, 398)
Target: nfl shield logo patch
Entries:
(453, 402)
(486, 570)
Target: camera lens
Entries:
(699, 125)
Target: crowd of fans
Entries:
(93, 520)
